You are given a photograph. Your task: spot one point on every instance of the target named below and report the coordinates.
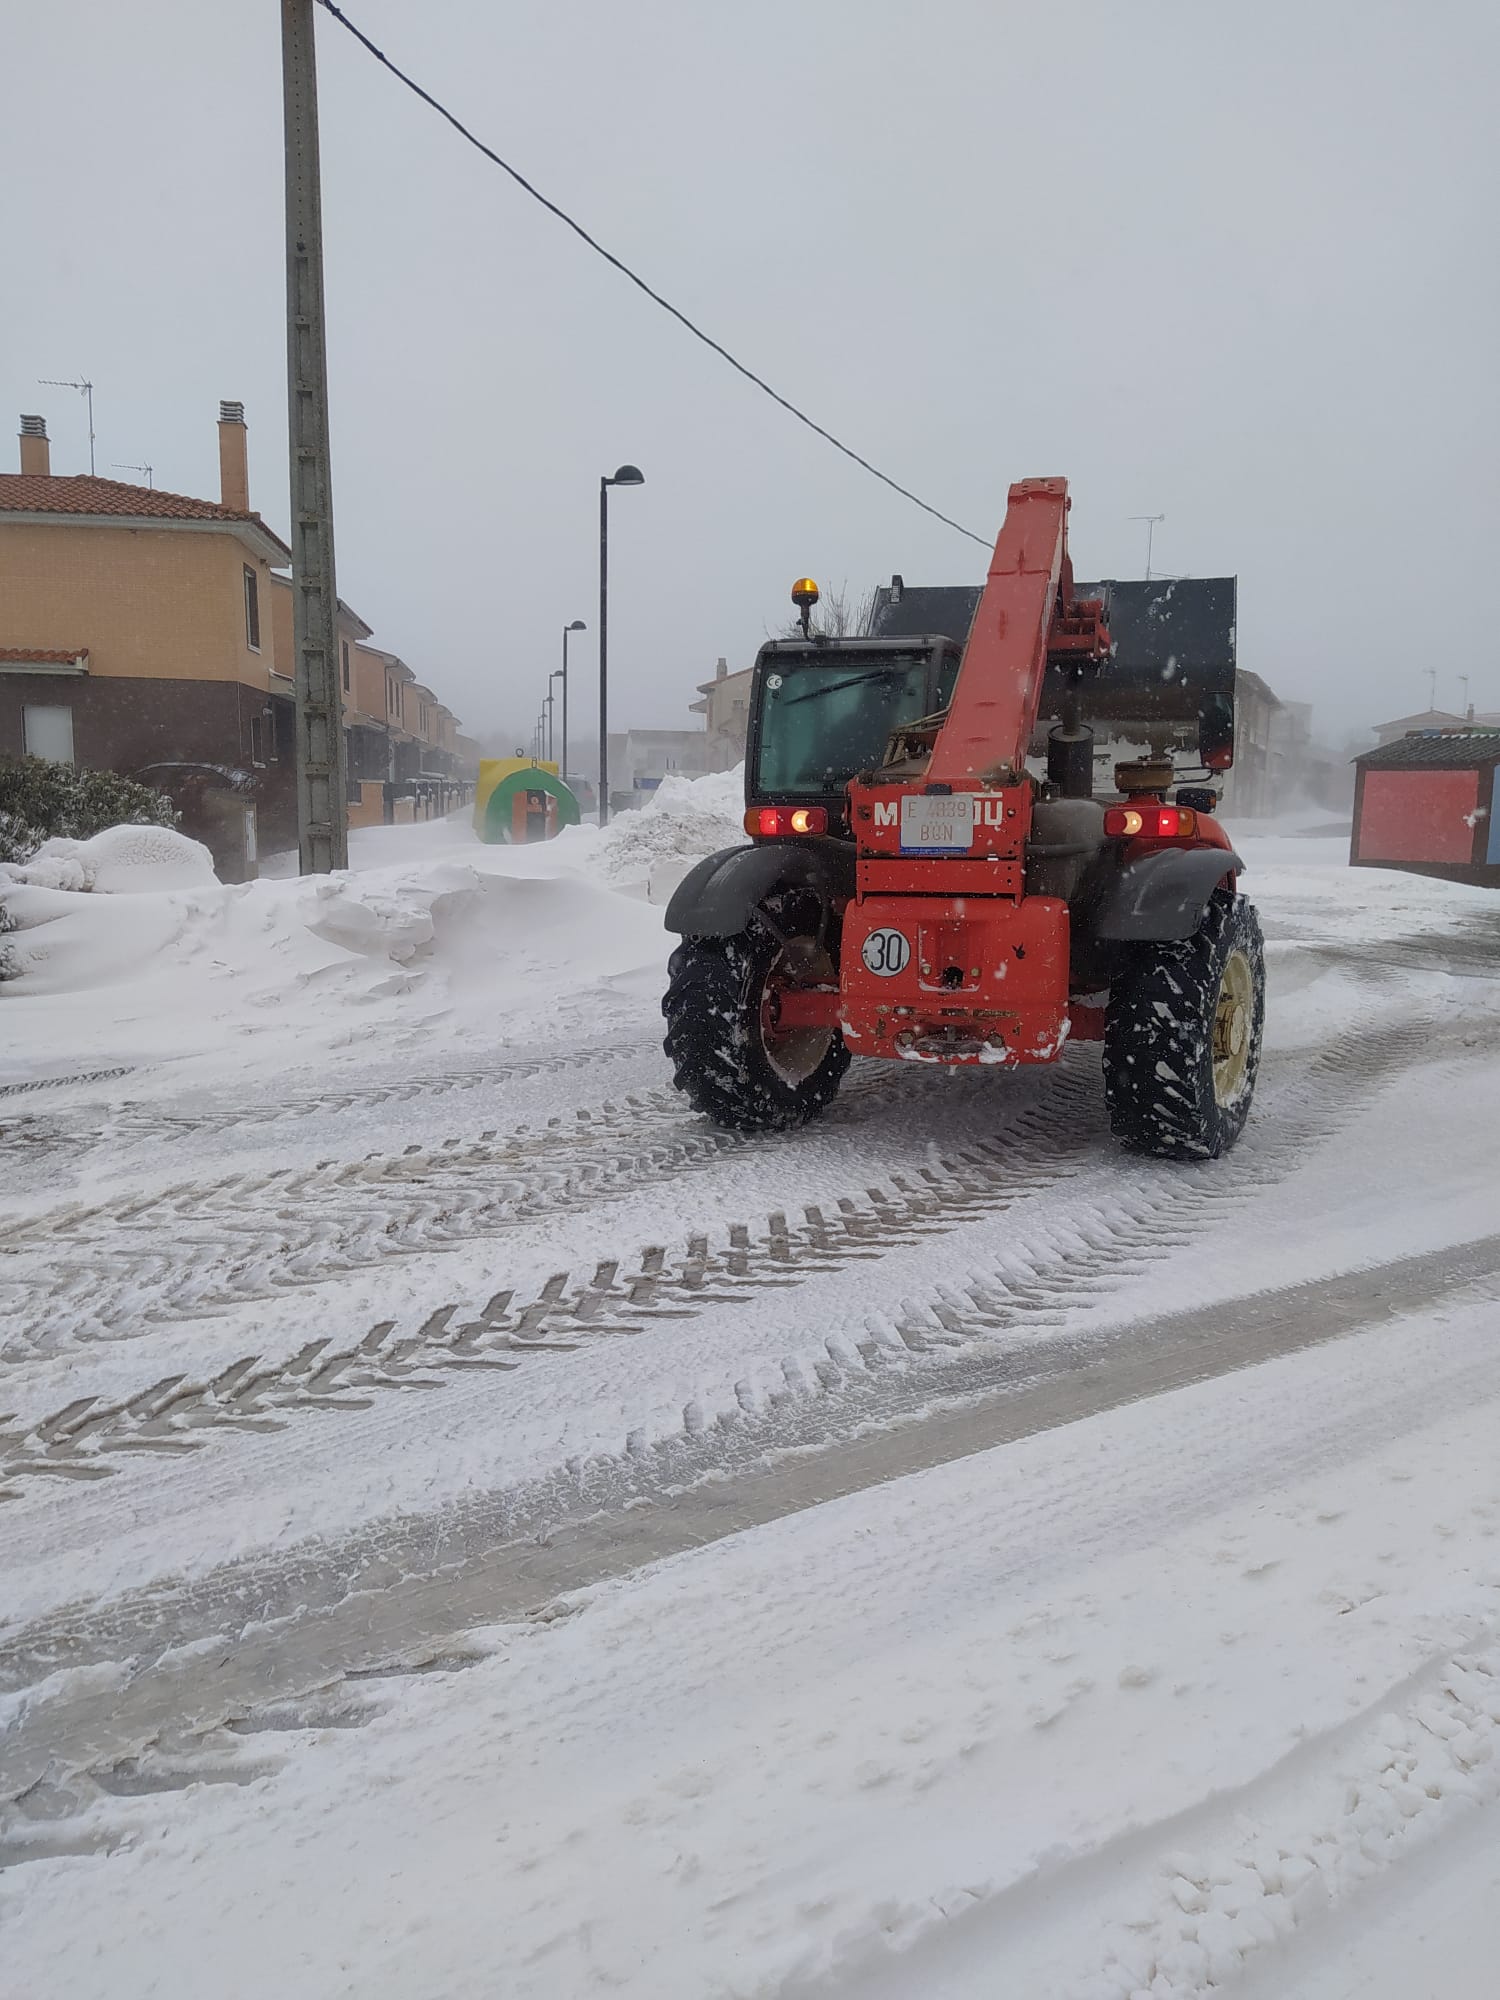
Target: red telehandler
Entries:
(916, 888)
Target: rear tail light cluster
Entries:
(771, 822)
(1149, 822)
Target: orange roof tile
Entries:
(36, 493)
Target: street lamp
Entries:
(555, 675)
(576, 626)
(626, 475)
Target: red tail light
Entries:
(773, 822)
(1149, 822)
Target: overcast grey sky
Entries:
(1231, 262)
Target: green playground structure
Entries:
(521, 800)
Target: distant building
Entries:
(1252, 788)
(640, 758)
(725, 708)
(1430, 718)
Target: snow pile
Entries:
(685, 819)
(59, 938)
(120, 861)
(63, 941)
(477, 931)
(497, 942)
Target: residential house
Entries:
(150, 633)
(1430, 718)
(725, 708)
(136, 628)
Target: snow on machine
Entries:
(915, 888)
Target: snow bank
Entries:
(64, 941)
(685, 819)
(120, 861)
(498, 943)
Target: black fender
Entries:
(1160, 898)
(716, 897)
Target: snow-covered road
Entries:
(473, 1527)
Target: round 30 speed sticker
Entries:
(885, 953)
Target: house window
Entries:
(252, 610)
(344, 648)
(48, 732)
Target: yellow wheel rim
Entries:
(1234, 1015)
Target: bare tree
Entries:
(837, 614)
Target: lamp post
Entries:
(626, 475)
(555, 675)
(576, 626)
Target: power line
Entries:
(624, 269)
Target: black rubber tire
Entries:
(714, 1041)
(1159, 1038)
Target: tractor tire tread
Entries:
(1158, 1038)
(717, 1062)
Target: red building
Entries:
(1429, 802)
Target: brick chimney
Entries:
(36, 452)
(234, 458)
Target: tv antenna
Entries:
(1150, 521)
(87, 388)
(150, 481)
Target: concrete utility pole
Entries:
(322, 829)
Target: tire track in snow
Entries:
(42, 1823)
(142, 1121)
(136, 1722)
(27, 1086)
(192, 1250)
(1037, 1284)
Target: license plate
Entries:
(937, 825)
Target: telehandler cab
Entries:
(916, 888)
